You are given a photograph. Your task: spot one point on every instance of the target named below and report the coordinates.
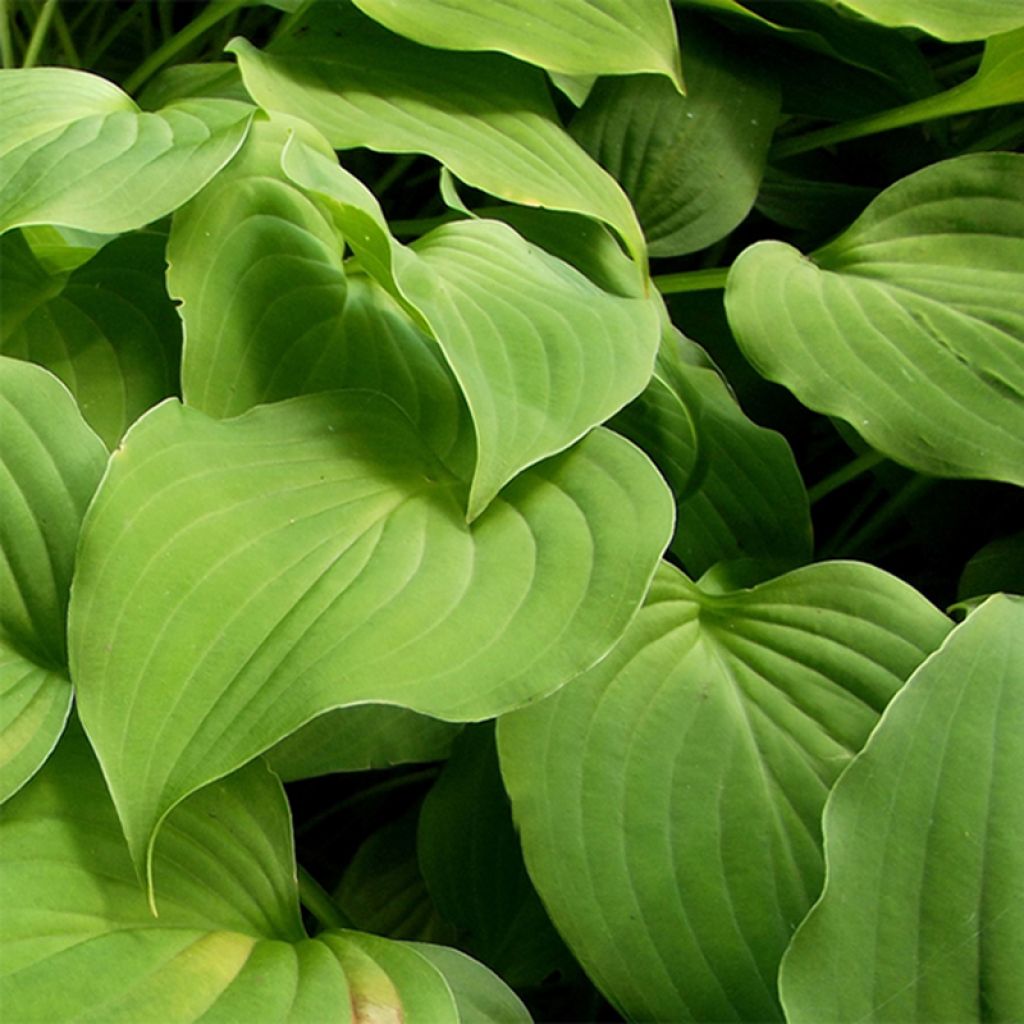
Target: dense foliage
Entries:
(412, 606)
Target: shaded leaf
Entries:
(487, 117)
(606, 37)
(669, 800)
(77, 151)
(79, 941)
(998, 566)
(109, 332)
(908, 324)
(922, 917)
(313, 554)
(690, 164)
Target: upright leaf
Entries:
(79, 942)
(108, 331)
(76, 150)
(574, 37)
(487, 117)
(691, 164)
(908, 325)
(669, 800)
(238, 578)
(50, 464)
(922, 917)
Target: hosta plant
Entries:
(511, 510)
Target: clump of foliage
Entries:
(380, 489)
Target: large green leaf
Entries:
(952, 20)
(107, 330)
(485, 116)
(237, 578)
(75, 150)
(50, 464)
(908, 325)
(541, 353)
(922, 917)
(669, 800)
(999, 81)
(692, 164)
(473, 868)
(574, 37)
(79, 942)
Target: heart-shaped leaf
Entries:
(611, 37)
(238, 578)
(79, 942)
(908, 325)
(691, 164)
(922, 917)
(541, 353)
(107, 330)
(485, 116)
(50, 464)
(954, 22)
(76, 150)
(669, 800)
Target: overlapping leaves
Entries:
(669, 800)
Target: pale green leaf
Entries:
(922, 917)
(50, 464)
(215, 80)
(669, 800)
(908, 325)
(358, 739)
(691, 164)
(574, 37)
(541, 353)
(486, 117)
(78, 152)
(955, 21)
(237, 578)
(79, 943)
(108, 331)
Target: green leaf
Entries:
(908, 325)
(998, 566)
(541, 353)
(313, 554)
(360, 738)
(691, 164)
(669, 800)
(470, 858)
(486, 117)
(955, 21)
(108, 331)
(999, 81)
(79, 942)
(922, 917)
(382, 890)
(50, 464)
(574, 37)
(77, 151)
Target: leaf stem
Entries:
(35, 43)
(6, 46)
(66, 41)
(319, 903)
(217, 11)
(843, 475)
(706, 280)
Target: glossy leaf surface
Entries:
(908, 325)
(574, 37)
(485, 116)
(50, 464)
(77, 151)
(669, 800)
(238, 578)
(922, 842)
(76, 932)
(691, 164)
